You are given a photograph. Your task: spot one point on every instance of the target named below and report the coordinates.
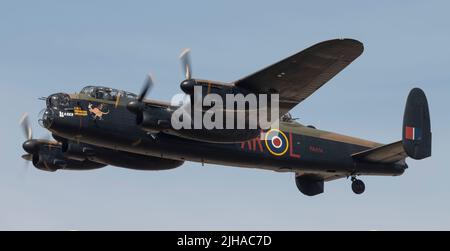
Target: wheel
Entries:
(358, 186)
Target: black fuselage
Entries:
(108, 124)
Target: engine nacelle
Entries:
(47, 163)
(54, 160)
(136, 161)
(309, 184)
(76, 151)
(154, 119)
(105, 156)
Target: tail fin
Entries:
(416, 126)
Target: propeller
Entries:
(186, 63)
(28, 145)
(187, 85)
(31, 146)
(26, 126)
(148, 85)
(137, 106)
(27, 157)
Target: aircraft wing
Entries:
(324, 175)
(154, 102)
(295, 78)
(389, 153)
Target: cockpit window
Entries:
(103, 93)
(87, 90)
(106, 93)
(131, 95)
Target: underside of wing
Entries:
(325, 176)
(298, 76)
(386, 154)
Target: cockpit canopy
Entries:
(106, 93)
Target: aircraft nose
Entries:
(47, 116)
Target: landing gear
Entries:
(358, 186)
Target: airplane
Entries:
(102, 126)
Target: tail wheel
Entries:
(358, 186)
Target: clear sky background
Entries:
(51, 46)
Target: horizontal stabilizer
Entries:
(416, 139)
(389, 153)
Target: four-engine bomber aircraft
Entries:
(103, 126)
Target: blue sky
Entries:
(51, 46)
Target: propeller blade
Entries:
(26, 164)
(186, 63)
(148, 85)
(26, 126)
(27, 157)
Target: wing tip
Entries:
(353, 45)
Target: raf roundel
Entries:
(276, 142)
